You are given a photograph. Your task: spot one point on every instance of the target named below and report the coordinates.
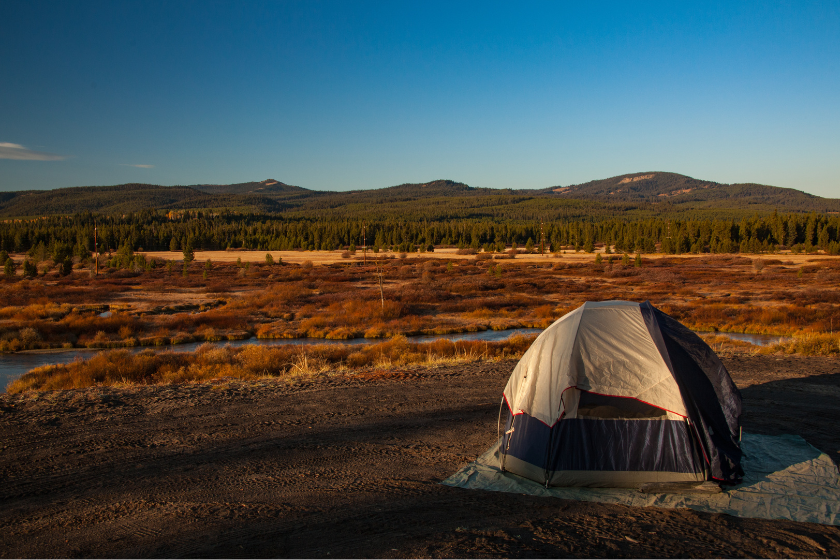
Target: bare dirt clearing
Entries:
(341, 467)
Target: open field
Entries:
(344, 465)
(212, 300)
(334, 257)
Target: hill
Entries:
(121, 199)
(269, 187)
(634, 196)
(680, 190)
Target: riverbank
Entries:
(348, 464)
(15, 365)
(47, 371)
(286, 362)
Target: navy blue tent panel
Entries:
(598, 444)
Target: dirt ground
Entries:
(350, 467)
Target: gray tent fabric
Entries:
(623, 355)
(784, 478)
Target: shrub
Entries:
(28, 337)
(822, 344)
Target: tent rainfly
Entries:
(619, 394)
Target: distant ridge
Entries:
(637, 186)
(267, 187)
(649, 192)
(121, 199)
(660, 186)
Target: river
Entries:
(13, 366)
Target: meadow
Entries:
(390, 295)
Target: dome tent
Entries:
(619, 394)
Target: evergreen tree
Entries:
(189, 254)
(29, 269)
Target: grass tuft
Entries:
(818, 344)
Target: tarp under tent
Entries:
(785, 478)
(619, 394)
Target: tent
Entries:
(619, 394)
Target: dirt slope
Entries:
(347, 468)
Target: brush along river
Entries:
(13, 366)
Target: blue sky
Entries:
(354, 95)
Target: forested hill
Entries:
(657, 186)
(122, 199)
(635, 196)
(269, 187)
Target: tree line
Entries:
(58, 238)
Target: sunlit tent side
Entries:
(619, 394)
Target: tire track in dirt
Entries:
(340, 466)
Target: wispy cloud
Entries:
(16, 151)
(140, 165)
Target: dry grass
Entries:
(424, 294)
(809, 345)
(122, 367)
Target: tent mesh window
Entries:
(593, 405)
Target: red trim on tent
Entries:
(635, 399)
(594, 393)
(694, 428)
(523, 412)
